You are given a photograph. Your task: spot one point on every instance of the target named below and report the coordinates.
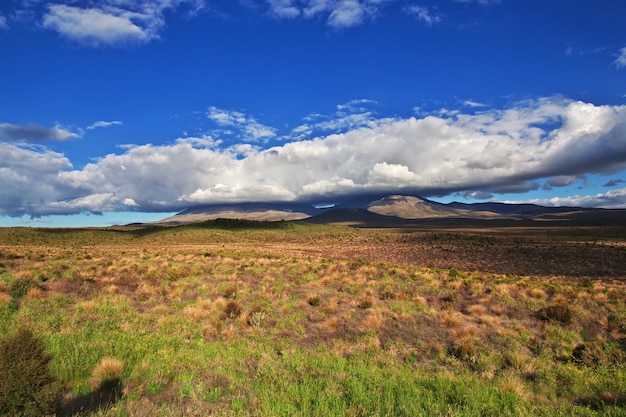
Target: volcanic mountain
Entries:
(396, 210)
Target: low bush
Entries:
(27, 386)
(560, 313)
(19, 287)
(232, 309)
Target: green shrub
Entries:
(27, 386)
(454, 273)
(560, 313)
(19, 287)
(313, 301)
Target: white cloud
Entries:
(102, 123)
(97, 26)
(613, 199)
(350, 115)
(340, 13)
(284, 8)
(424, 14)
(34, 133)
(113, 22)
(246, 127)
(620, 62)
(3, 22)
(473, 104)
(495, 151)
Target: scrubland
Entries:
(232, 318)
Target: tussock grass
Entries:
(232, 320)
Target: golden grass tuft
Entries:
(497, 310)
(374, 320)
(108, 370)
(88, 305)
(195, 313)
(488, 319)
(331, 306)
(35, 293)
(420, 301)
(366, 302)
(560, 300)
(331, 324)
(450, 319)
(510, 382)
(477, 309)
(4, 298)
(210, 331)
(537, 293)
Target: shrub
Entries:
(256, 316)
(454, 273)
(559, 312)
(232, 309)
(313, 301)
(19, 287)
(27, 386)
(230, 292)
(366, 303)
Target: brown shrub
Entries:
(232, 309)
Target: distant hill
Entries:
(246, 211)
(398, 210)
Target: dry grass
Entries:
(477, 310)
(108, 370)
(4, 298)
(450, 319)
(358, 298)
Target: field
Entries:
(234, 318)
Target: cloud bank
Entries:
(550, 141)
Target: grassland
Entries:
(234, 318)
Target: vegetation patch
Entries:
(290, 319)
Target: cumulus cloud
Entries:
(102, 123)
(34, 133)
(112, 22)
(494, 151)
(620, 62)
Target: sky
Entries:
(116, 111)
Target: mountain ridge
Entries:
(393, 210)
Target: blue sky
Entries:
(115, 111)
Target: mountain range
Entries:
(402, 210)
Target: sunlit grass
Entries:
(243, 321)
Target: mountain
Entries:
(246, 211)
(397, 210)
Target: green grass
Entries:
(432, 342)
